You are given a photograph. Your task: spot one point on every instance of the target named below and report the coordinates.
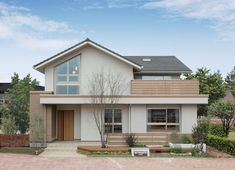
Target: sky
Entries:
(200, 33)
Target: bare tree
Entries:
(105, 91)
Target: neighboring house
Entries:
(229, 95)
(5, 86)
(156, 99)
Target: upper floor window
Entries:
(67, 76)
(148, 77)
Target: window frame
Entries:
(68, 83)
(156, 77)
(113, 123)
(166, 124)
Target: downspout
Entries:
(129, 118)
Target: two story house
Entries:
(155, 98)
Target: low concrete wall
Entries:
(14, 140)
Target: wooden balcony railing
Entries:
(169, 87)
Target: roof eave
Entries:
(40, 66)
(161, 72)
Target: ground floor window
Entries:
(163, 119)
(113, 120)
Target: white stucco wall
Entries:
(77, 118)
(188, 118)
(138, 119)
(89, 131)
(92, 61)
(49, 79)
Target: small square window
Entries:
(61, 89)
(117, 129)
(61, 78)
(108, 128)
(73, 90)
(73, 78)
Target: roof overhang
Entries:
(187, 99)
(40, 66)
(164, 72)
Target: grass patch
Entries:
(231, 135)
(106, 154)
(22, 150)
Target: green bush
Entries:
(217, 130)
(131, 139)
(8, 124)
(200, 131)
(222, 144)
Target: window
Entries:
(67, 77)
(163, 119)
(113, 120)
(148, 77)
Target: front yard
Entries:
(231, 135)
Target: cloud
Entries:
(88, 5)
(220, 13)
(18, 25)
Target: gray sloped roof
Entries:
(160, 64)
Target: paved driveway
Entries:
(26, 162)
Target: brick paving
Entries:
(28, 162)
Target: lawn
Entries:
(231, 135)
(21, 150)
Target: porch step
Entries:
(61, 149)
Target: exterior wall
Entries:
(188, 118)
(77, 118)
(92, 61)
(36, 109)
(89, 131)
(138, 119)
(50, 122)
(49, 79)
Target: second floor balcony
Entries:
(164, 87)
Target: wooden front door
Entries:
(66, 125)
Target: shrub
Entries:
(37, 129)
(200, 133)
(131, 139)
(217, 130)
(222, 144)
(8, 124)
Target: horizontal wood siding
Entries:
(165, 87)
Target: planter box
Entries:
(14, 140)
(140, 152)
(182, 146)
(38, 145)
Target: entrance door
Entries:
(66, 125)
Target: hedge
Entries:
(222, 144)
(217, 130)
